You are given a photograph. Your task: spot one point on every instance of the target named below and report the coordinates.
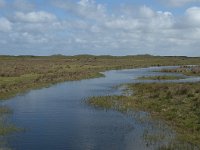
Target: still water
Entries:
(56, 118)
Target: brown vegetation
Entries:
(187, 70)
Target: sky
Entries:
(100, 27)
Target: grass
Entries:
(22, 73)
(5, 127)
(5, 110)
(177, 103)
(160, 78)
(186, 70)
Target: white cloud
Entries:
(5, 25)
(146, 12)
(193, 16)
(35, 17)
(88, 9)
(89, 27)
(146, 19)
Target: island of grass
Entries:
(177, 103)
(186, 70)
(164, 77)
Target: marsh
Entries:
(57, 117)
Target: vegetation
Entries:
(187, 70)
(161, 78)
(5, 127)
(5, 110)
(177, 103)
(19, 74)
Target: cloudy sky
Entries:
(108, 27)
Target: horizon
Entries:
(100, 27)
(62, 55)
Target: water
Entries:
(56, 118)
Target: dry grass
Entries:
(187, 70)
(18, 74)
(160, 78)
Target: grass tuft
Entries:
(160, 78)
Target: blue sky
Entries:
(100, 27)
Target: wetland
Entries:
(117, 110)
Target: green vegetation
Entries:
(161, 78)
(5, 110)
(187, 70)
(177, 103)
(19, 74)
(6, 128)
